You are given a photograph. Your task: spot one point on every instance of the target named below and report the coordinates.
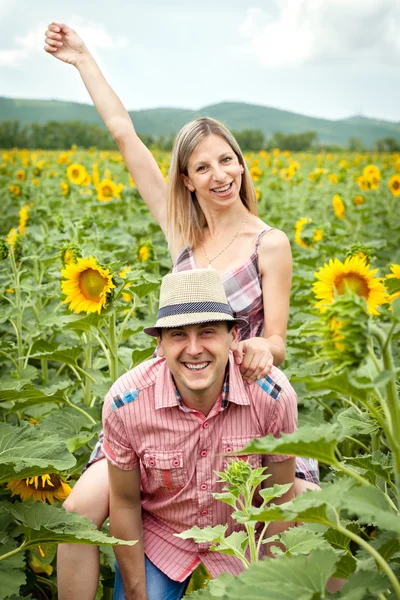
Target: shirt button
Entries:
(203, 453)
(152, 463)
(176, 462)
(204, 512)
(206, 425)
(228, 449)
(204, 486)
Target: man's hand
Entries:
(65, 44)
(254, 357)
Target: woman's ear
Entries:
(187, 183)
(242, 169)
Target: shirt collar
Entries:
(233, 390)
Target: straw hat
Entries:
(190, 297)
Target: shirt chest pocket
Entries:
(232, 445)
(165, 468)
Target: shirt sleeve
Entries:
(116, 446)
(283, 418)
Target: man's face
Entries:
(197, 355)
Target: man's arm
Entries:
(126, 524)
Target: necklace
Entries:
(210, 260)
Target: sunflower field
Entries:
(81, 264)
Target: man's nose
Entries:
(194, 346)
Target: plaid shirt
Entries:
(179, 449)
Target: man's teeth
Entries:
(222, 189)
(196, 367)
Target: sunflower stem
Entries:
(79, 409)
(393, 400)
(88, 365)
(15, 551)
(113, 347)
(18, 325)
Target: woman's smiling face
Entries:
(214, 172)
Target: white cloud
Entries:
(320, 31)
(94, 34)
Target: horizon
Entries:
(165, 107)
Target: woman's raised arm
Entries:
(66, 45)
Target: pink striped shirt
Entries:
(178, 450)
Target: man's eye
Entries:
(208, 332)
(177, 334)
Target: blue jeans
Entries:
(158, 585)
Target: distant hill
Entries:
(236, 115)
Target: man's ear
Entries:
(235, 337)
(186, 181)
(160, 352)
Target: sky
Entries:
(322, 58)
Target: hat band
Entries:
(193, 307)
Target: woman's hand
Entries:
(254, 357)
(65, 44)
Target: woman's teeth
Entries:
(196, 367)
(222, 189)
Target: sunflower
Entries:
(355, 274)
(300, 224)
(40, 487)
(123, 273)
(63, 159)
(338, 206)
(363, 183)
(395, 274)
(86, 285)
(358, 199)
(333, 178)
(107, 190)
(255, 172)
(15, 190)
(35, 181)
(20, 175)
(394, 185)
(70, 254)
(76, 173)
(318, 235)
(64, 188)
(23, 218)
(12, 237)
(145, 251)
(371, 171)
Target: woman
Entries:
(209, 209)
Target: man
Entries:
(168, 424)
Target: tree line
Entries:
(59, 135)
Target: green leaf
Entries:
(139, 355)
(396, 309)
(310, 507)
(63, 354)
(235, 543)
(335, 383)
(12, 571)
(371, 466)
(206, 534)
(383, 378)
(299, 540)
(215, 588)
(269, 493)
(70, 425)
(393, 285)
(286, 578)
(26, 451)
(362, 582)
(313, 442)
(31, 395)
(371, 506)
(354, 420)
(43, 523)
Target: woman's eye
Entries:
(200, 168)
(227, 159)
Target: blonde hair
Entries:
(185, 218)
